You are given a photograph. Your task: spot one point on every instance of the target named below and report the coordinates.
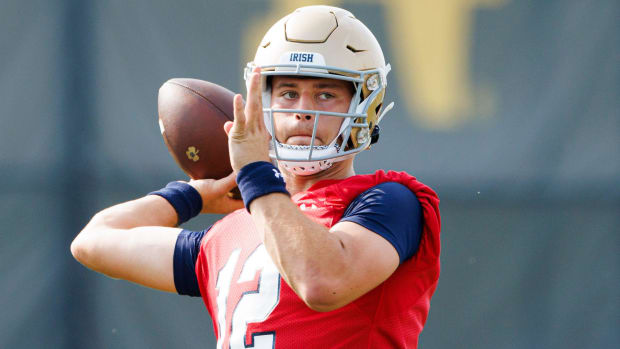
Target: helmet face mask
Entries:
(324, 42)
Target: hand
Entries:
(248, 138)
(214, 194)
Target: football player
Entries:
(315, 256)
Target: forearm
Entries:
(308, 256)
(151, 210)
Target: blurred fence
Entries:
(509, 109)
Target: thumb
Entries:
(227, 126)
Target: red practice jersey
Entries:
(253, 307)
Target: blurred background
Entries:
(508, 109)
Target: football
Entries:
(192, 114)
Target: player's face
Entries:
(313, 94)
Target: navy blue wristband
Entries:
(184, 198)
(258, 179)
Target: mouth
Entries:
(302, 140)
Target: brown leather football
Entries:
(192, 114)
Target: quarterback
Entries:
(314, 256)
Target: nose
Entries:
(305, 102)
(307, 117)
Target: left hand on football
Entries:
(248, 138)
(214, 194)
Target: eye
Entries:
(289, 94)
(325, 96)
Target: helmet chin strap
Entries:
(306, 168)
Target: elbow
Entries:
(323, 298)
(322, 307)
(85, 248)
(79, 249)
(83, 245)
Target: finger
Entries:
(231, 205)
(239, 113)
(254, 108)
(236, 204)
(227, 126)
(226, 184)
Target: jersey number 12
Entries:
(254, 305)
